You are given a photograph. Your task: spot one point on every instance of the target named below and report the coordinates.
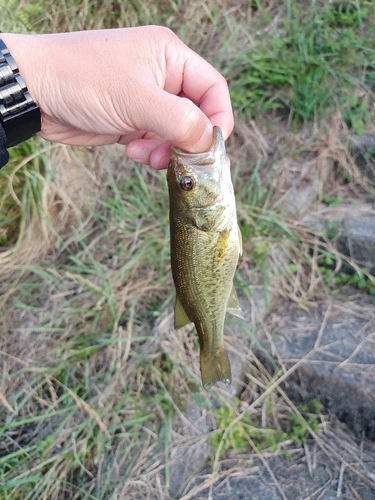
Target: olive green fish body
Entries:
(205, 247)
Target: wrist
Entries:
(24, 50)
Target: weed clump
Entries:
(306, 64)
(94, 375)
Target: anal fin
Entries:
(180, 317)
(233, 306)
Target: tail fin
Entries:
(215, 367)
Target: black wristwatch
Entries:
(19, 115)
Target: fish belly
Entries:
(203, 266)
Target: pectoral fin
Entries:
(180, 317)
(206, 219)
(233, 306)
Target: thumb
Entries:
(177, 120)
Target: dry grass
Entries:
(99, 396)
(96, 382)
(44, 195)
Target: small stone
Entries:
(362, 148)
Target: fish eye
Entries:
(187, 183)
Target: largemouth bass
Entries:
(205, 247)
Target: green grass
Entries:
(45, 16)
(82, 399)
(307, 63)
(21, 185)
(293, 427)
(94, 378)
(299, 60)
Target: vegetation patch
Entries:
(94, 377)
(307, 62)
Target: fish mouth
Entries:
(218, 142)
(207, 157)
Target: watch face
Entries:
(23, 125)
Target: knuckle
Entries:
(162, 32)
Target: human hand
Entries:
(142, 87)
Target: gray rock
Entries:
(296, 479)
(357, 239)
(190, 455)
(355, 229)
(362, 148)
(241, 488)
(306, 188)
(336, 356)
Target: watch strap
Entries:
(19, 114)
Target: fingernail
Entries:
(137, 154)
(205, 141)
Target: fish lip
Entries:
(218, 142)
(194, 159)
(207, 157)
